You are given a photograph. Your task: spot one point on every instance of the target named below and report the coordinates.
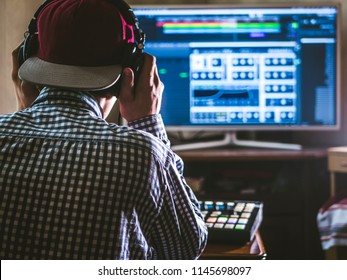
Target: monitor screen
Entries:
(234, 68)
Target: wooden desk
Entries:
(252, 250)
(337, 162)
(291, 184)
(213, 155)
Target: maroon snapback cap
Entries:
(80, 45)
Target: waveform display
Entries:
(218, 27)
(226, 97)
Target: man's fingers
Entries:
(127, 85)
(148, 68)
(157, 80)
(15, 64)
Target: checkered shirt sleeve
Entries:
(153, 124)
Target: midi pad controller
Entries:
(232, 221)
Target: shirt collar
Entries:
(68, 98)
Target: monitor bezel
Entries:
(267, 127)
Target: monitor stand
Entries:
(230, 139)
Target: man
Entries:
(72, 185)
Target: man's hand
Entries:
(26, 93)
(143, 99)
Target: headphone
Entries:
(132, 53)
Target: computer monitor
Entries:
(255, 67)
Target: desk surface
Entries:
(250, 250)
(251, 154)
(338, 150)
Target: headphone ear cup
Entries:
(21, 54)
(137, 63)
(28, 48)
(133, 57)
(128, 54)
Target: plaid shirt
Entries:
(73, 186)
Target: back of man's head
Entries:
(80, 45)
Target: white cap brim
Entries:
(40, 72)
